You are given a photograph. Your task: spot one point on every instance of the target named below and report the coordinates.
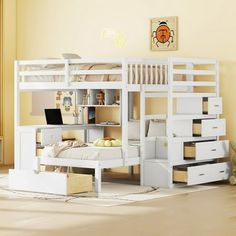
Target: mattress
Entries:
(98, 153)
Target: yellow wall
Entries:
(9, 55)
(206, 29)
(47, 28)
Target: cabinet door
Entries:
(25, 148)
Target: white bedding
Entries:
(98, 153)
(134, 76)
(74, 78)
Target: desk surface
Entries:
(69, 126)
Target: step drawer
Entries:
(209, 127)
(199, 174)
(206, 150)
(212, 106)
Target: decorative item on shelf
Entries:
(80, 115)
(88, 99)
(85, 99)
(116, 100)
(232, 178)
(109, 123)
(76, 117)
(100, 97)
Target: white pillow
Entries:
(70, 56)
(157, 128)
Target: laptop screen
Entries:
(53, 116)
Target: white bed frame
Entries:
(159, 83)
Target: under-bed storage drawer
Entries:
(209, 127)
(49, 182)
(212, 105)
(206, 150)
(201, 173)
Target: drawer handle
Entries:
(213, 150)
(201, 174)
(221, 171)
(216, 105)
(214, 127)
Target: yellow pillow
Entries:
(107, 143)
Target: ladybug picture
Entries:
(164, 33)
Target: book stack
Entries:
(89, 115)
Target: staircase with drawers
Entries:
(192, 151)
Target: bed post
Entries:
(16, 114)
(124, 105)
(98, 180)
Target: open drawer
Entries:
(198, 174)
(212, 105)
(209, 127)
(206, 150)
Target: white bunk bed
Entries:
(153, 78)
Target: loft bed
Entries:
(168, 77)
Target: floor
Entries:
(211, 212)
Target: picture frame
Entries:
(65, 100)
(164, 33)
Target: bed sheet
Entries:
(98, 153)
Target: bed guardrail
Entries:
(154, 72)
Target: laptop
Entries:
(53, 116)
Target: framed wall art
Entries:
(164, 33)
(65, 100)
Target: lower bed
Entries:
(92, 157)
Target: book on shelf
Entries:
(91, 115)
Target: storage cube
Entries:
(49, 182)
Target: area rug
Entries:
(113, 194)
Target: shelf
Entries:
(180, 117)
(193, 116)
(194, 95)
(104, 125)
(116, 106)
(194, 83)
(194, 72)
(193, 139)
(187, 162)
(156, 117)
(156, 160)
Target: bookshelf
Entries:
(99, 106)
